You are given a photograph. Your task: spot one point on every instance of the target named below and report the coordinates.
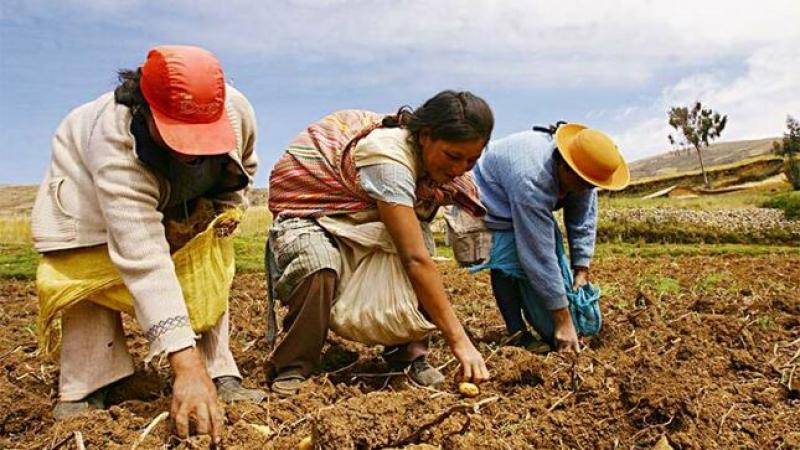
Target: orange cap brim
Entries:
(196, 139)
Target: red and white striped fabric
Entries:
(317, 175)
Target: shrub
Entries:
(793, 172)
(788, 202)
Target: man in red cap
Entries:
(171, 133)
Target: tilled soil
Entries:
(701, 350)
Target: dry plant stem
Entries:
(61, 443)
(440, 394)
(447, 363)
(377, 375)
(559, 401)
(289, 426)
(461, 407)
(680, 317)
(637, 345)
(342, 369)
(791, 375)
(574, 375)
(746, 324)
(791, 360)
(385, 383)
(79, 440)
(149, 428)
(658, 425)
(725, 416)
(14, 351)
(796, 341)
(297, 422)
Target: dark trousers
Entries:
(517, 303)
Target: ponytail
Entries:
(549, 130)
(400, 119)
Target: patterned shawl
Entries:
(317, 175)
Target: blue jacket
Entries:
(519, 186)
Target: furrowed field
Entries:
(700, 347)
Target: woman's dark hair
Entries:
(127, 91)
(449, 115)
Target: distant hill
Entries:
(18, 200)
(258, 197)
(715, 155)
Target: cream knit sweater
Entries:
(97, 191)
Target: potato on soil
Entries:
(468, 390)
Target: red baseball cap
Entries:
(185, 89)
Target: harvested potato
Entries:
(468, 390)
(306, 444)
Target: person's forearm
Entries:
(430, 292)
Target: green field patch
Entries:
(18, 261)
(714, 281)
(249, 252)
(658, 284)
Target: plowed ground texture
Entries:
(701, 351)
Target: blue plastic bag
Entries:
(584, 304)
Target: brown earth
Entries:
(702, 350)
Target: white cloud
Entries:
(739, 57)
(509, 42)
(756, 102)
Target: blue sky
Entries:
(613, 65)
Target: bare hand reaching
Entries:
(565, 336)
(194, 396)
(472, 364)
(581, 278)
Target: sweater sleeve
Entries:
(580, 220)
(536, 248)
(128, 195)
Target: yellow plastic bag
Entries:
(205, 267)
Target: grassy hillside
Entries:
(18, 200)
(715, 155)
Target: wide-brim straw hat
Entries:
(593, 156)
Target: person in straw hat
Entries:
(172, 132)
(523, 179)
